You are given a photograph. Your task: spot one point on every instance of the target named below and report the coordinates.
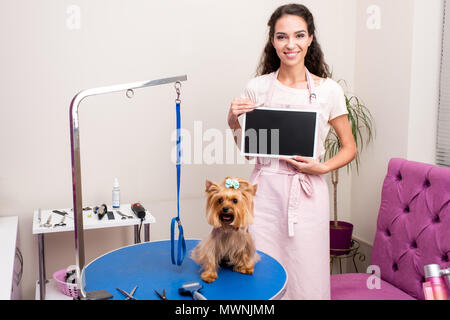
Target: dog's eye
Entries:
(220, 200)
(235, 201)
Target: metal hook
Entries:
(177, 86)
(130, 93)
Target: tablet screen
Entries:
(279, 132)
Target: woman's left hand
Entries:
(307, 165)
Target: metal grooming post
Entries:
(76, 162)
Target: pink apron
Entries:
(292, 216)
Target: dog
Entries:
(229, 210)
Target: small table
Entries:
(148, 265)
(352, 252)
(9, 254)
(90, 221)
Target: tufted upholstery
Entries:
(413, 227)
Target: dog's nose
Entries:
(225, 209)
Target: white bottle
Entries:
(116, 194)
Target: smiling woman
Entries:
(285, 18)
(291, 206)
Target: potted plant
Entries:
(361, 121)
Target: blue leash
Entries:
(181, 241)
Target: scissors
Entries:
(128, 295)
(163, 295)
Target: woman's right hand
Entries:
(238, 107)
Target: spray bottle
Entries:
(116, 194)
(434, 286)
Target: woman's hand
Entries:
(307, 165)
(238, 107)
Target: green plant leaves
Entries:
(362, 124)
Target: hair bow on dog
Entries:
(229, 183)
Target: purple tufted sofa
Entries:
(413, 230)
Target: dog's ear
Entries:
(247, 186)
(254, 188)
(211, 186)
(251, 189)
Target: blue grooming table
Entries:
(148, 265)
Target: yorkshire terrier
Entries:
(229, 209)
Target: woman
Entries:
(292, 203)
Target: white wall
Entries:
(382, 80)
(44, 64)
(425, 76)
(397, 75)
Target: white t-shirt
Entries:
(329, 94)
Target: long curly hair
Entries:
(314, 59)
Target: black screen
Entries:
(294, 131)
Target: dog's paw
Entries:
(208, 276)
(244, 269)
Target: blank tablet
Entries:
(271, 132)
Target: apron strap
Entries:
(270, 92)
(300, 182)
(311, 88)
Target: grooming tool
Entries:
(63, 213)
(98, 295)
(128, 295)
(48, 224)
(124, 216)
(192, 288)
(61, 224)
(161, 296)
(39, 217)
(70, 276)
(138, 210)
(102, 211)
(84, 209)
